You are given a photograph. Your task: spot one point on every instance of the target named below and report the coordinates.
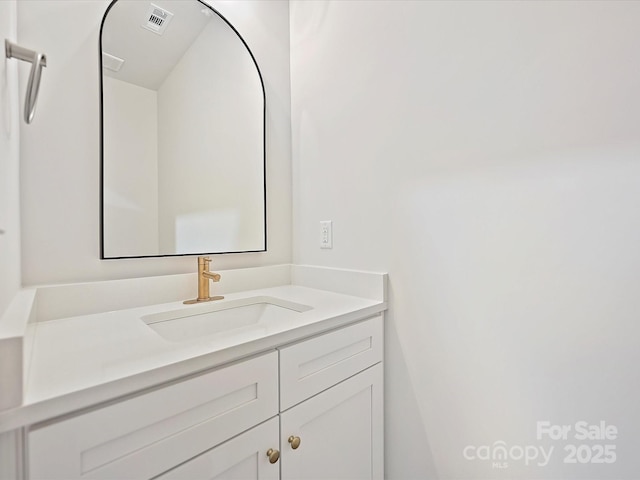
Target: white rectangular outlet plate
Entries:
(326, 234)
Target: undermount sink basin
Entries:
(229, 316)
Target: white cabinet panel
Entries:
(311, 366)
(151, 433)
(10, 455)
(241, 458)
(340, 432)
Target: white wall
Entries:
(486, 155)
(214, 121)
(10, 115)
(61, 156)
(131, 179)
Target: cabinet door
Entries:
(241, 458)
(340, 432)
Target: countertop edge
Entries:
(74, 403)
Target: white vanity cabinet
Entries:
(321, 395)
(331, 399)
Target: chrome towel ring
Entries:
(37, 60)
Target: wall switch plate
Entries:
(326, 234)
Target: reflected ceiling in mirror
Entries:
(183, 148)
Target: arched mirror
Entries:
(183, 135)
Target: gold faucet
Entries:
(204, 276)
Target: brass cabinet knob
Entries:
(273, 455)
(294, 441)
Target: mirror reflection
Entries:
(182, 133)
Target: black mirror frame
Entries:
(264, 146)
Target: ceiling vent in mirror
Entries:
(111, 62)
(157, 19)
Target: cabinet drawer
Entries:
(151, 433)
(311, 366)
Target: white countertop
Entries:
(83, 360)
